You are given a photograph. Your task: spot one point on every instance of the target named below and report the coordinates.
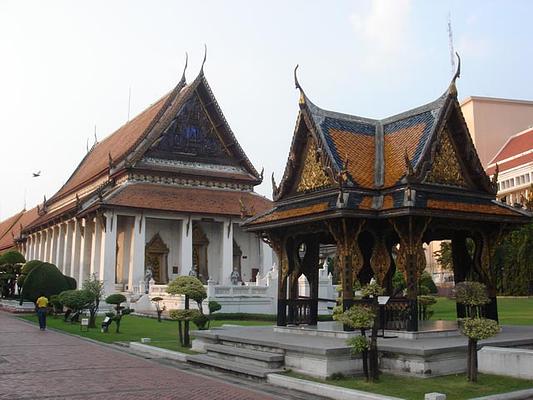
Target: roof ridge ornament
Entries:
(183, 80)
(205, 58)
(453, 89)
(298, 86)
(275, 188)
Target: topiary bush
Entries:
(117, 299)
(71, 282)
(12, 257)
(426, 281)
(43, 279)
(76, 300)
(26, 269)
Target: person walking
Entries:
(42, 309)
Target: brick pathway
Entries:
(51, 365)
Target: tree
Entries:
(117, 299)
(75, 300)
(157, 301)
(43, 278)
(192, 288)
(473, 295)
(10, 268)
(96, 288)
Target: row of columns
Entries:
(87, 246)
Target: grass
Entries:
(511, 310)
(456, 387)
(132, 328)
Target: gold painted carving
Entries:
(346, 236)
(312, 175)
(380, 259)
(446, 168)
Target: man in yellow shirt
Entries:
(42, 309)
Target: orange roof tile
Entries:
(469, 207)
(188, 200)
(23, 218)
(291, 213)
(517, 144)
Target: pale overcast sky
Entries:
(67, 66)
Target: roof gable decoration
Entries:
(312, 175)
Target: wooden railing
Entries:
(297, 312)
(398, 314)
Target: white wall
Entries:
(213, 231)
(169, 230)
(249, 244)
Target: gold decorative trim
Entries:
(313, 175)
(446, 168)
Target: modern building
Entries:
(491, 121)
(514, 163)
(162, 196)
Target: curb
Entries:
(517, 395)
(322, 389)
(157, 352)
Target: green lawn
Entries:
(511, 310)
(455, 387)
(132, 328)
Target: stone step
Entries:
(231, 366)
(244, 355)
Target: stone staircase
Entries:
(240, 358)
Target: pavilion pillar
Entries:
(60, 247)
(138, 243)
(485, 243)
(310, 268)
(227, 251)
(67, 248)
(462, 265)
(108, 265)
(380, 261)
(186, 247)
(85, 250)
(279, 246)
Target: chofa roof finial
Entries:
(453, 88)
(298, 86)
(185, 67)
(205, 57)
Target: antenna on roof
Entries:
(450, 43)
(95, 137)
(129, 103)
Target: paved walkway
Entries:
(52, 365)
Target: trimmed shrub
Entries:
(12, 257)
(76, 300)
(71, 282)
(116, 299)
(43, 279)
(427, 281)
(26, 269)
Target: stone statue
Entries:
(235, 277)
(148, 275)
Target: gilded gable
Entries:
(312, 175)
(446, 168)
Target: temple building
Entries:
(162, 196)
(379, 190)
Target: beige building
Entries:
(491, 121)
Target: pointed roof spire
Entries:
(453, 89)
(205, 58)
(298, 86)
(183, 80)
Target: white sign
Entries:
(382, 300)
(85, 322)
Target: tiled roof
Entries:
(50, 216)
(279, 215)
(358, 139)
(10, 229)
(117, 144)
(488, 208)
(516, 151)
(188, 200)
(517, 144)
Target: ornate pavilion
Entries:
(165, 192)
(378, 190)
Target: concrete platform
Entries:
(322, 356)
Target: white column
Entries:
(227, 252)
(48, 248)
(96, 250)
(109, 252)
(53, 246)
(185, 263)
(44, 244)
(85, 250)
(38, 254)
(29, 245)
(67, 247)
(266, 257)
(137, 247)
(77, 240)
(60, 247)
(33, 250)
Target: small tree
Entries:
(159, 309)
(185, 316)
(96, 288)
(75, 300)
(117, 299)
(362, 318)
(473, 295)
(372, 291)
(192, 288)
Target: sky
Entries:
(68, 66)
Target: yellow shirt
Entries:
(42, 302)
